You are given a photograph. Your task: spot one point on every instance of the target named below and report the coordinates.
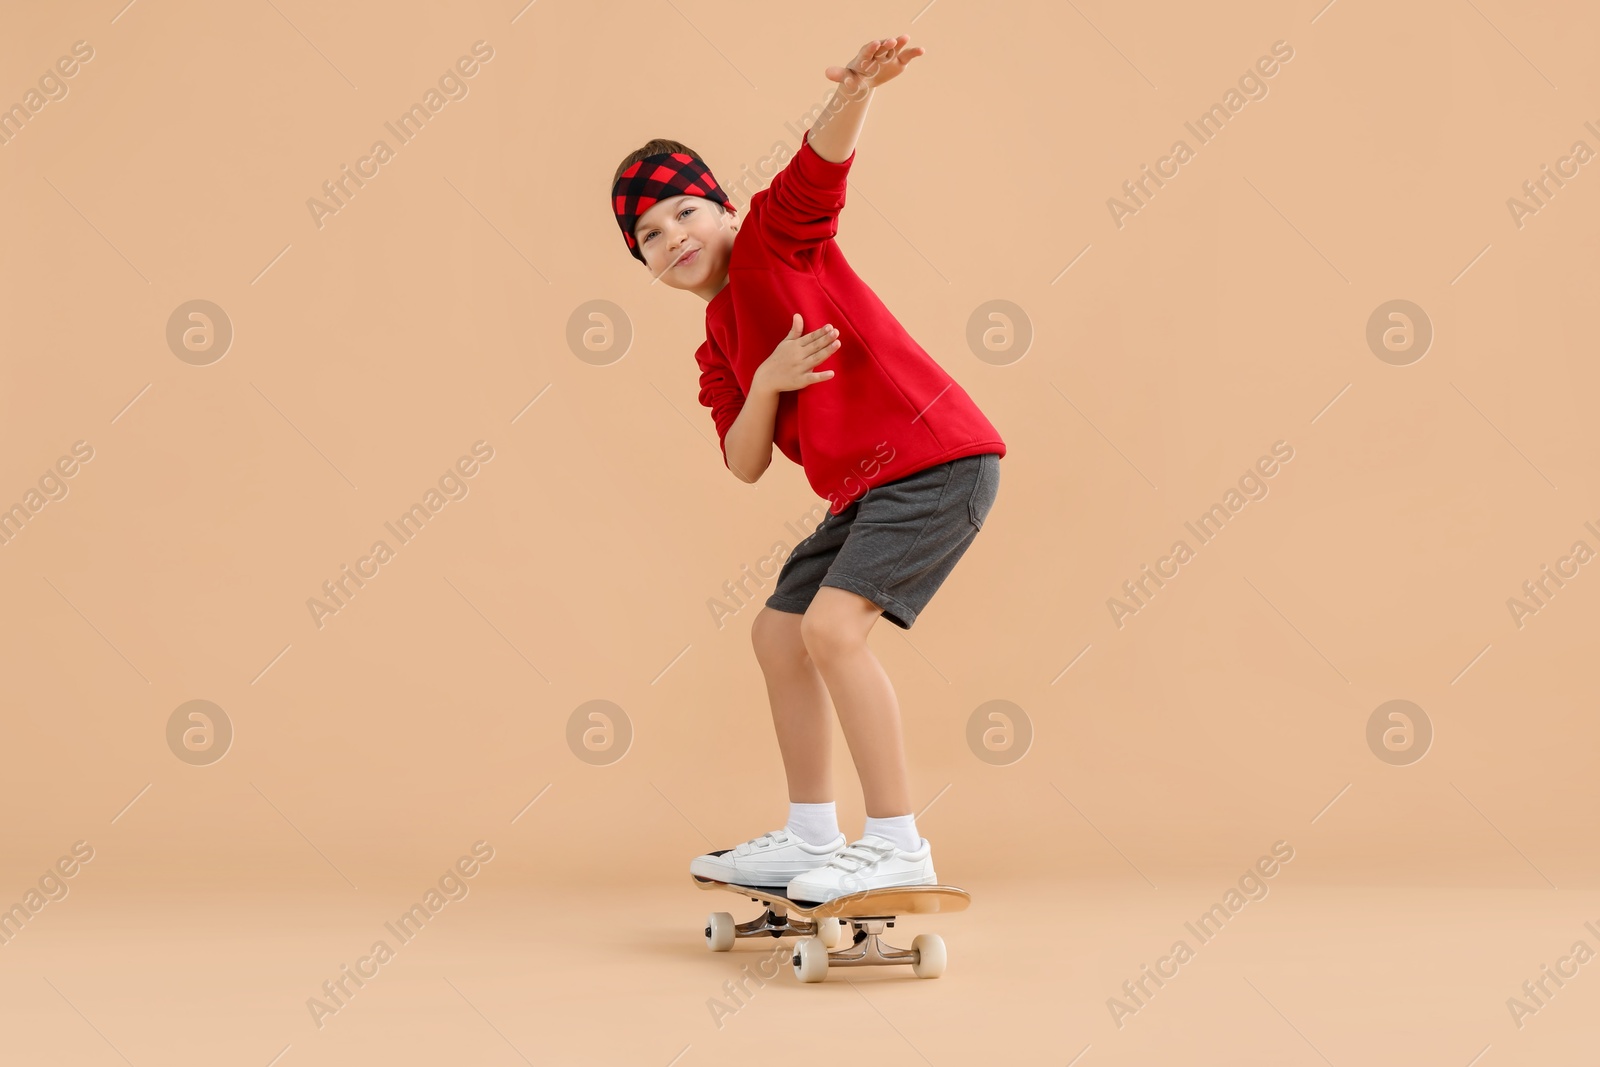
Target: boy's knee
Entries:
(776, 636)
(824, 634)
(836, 623)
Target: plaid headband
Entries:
(653, 179)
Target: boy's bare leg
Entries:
(835, 629)
(799, 705)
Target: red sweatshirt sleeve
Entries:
(803, 201)
(719, 391)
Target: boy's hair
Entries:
(656, 147)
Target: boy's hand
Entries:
(876, 63)
(789, 366)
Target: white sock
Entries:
(815, 824)
(901, 829)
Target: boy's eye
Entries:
(681, 214)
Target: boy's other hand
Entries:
(877, 62)
(789, 366)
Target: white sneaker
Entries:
(871, 863)
(769, 861)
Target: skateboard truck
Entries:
(867, 948)
(773, 921)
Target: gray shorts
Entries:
(896, 543)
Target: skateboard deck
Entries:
(822, 925)
(871, 903)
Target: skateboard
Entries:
(821, 926)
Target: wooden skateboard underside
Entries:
(859, 917)
(872, 903)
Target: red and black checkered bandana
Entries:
(655, 178)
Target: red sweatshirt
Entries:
(889, 410)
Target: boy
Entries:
(908, 463)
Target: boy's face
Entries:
(686, 242)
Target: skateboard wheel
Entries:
(810, 960)
(830, 932)
(720, 933)
(930, 955)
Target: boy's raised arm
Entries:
(834, 135)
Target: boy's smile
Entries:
(686, 242)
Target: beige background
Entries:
(435, 310)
